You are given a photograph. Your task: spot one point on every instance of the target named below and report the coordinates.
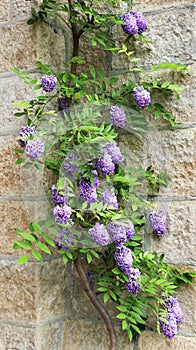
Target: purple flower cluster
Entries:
(134, 23)
(114, 152)
(48, 83)
(123, 258)
(130, 25)
(132, 286)
(118, 116)
(34, 148)
(88, 191)
(62, 214)
(174, 316)
(90, 278)
(25, 132)
(141, 96)
(140, 21)
(120, 232)
(109, 198)
(64, 240)
(105, 164)
(100, 235)
(59, 197)
(70, 164)
(158, 222)
(62, 101)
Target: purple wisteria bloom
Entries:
(59, 197)
(100, 235)
(130, 24)
(121, 231)
(34, 148)
(109, 198)
(48, 83)
(70, 163)
(90, 278)
(62, 214)
(132, 285)
(64, 240)
(169, 328)
(123, 258)
(114, 151)
(62, 101)
(88, 191)
(118, 116)
(173, 307)
(141, 96)
(140, 21)
(158, 222)
(25, 132)
(105, 164)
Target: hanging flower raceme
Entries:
(59, 197)
(118, 116)
(48, 83)
(140, 21)
(169, 327)
(105, 165)
(88, 191)
(174, 316)
(34, 148)
(64, 240)
(134, 277)
(109, 198)
(130, 25)
(114, 152)
(70, 164)
(123, 258)
(62, 214)
(25, 132)
(141, 96)
(120, 232)
(158, 222)
(100, 235)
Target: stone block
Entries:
(4, 11)
(178, 244)
(18, 291)
(16, 338)
(22, 9)
(152, 340)
(174, 153)
(23, 53)
(48, 337)
(18, 214)
(13, 90)
(51, 291)
(152, 5)
(51, 50)
(92, 335)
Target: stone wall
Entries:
(39, 308)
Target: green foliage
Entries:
(85, 127)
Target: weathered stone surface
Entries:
(151, 340)
(48, 337)
(18, 214)
(51, 292)
(51, 50)
(151, 5)
(4, 11)
(178, 245)
(24, 53)
(18, 291)
(174, 152)
(91, 336)
(17, 338)
(22, 9)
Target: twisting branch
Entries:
(94, 300)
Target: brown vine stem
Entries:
(94, 300)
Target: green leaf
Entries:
(49, 240)
(23, 245)
(136, 328)
(35, 227)
(36, 255)
(105, 297)
(20, 160)
(89, 258)
(125, 325)
(102, 289)
(25, 235)
(43, 247)
(121, 316)
(92, 71)
(65, 259)
(130, 335)
(116, 271)
(23, 259)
